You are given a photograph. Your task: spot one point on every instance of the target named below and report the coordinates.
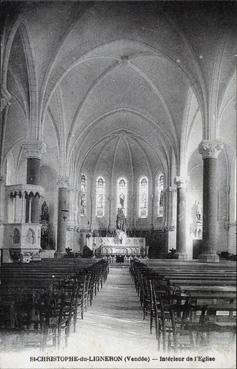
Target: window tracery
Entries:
(160, 197)
(143, 197)
(83, 195)
(100, 197)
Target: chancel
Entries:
(118, 165)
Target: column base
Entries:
(209, 258)
(181, 256)
(59, 254)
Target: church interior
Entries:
(118, 171)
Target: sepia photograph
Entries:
(118, 184)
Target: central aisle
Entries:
(114, 323)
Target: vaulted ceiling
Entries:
(99, 78)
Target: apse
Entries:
(122, 156)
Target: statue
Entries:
(121, 200)
(121, 220)
(196, 226)
(45, 212)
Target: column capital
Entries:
(180, 182)
(34, 149)
(210, 149)
(63, 182)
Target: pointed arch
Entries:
(21, 26)
(160, 187)
(83, 195)
(143, 197)
(100, 197)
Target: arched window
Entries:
(160, 195)
(83, 195)
(143, 197)
(100, 197)
(122, 195)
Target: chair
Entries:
(82, 295)
(172, 309)
(212, 332)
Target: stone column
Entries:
(35, 209)
(18, 207)
(110, 206)
(209, 151)
(23, 209)
(170, 221)
(2, 208)
(14, 208)
(63, 216)
(134, 211)
(72, 225)
(5, 102)
(30, 208)
(152, 199)
(181, 241)
(27, 209)
(33, 151)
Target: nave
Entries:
(117, 142)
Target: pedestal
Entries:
(181, 255)
(209, 258)
(59, 254)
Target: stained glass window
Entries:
(143, 197)
(83, 195)
(160, 197)
(100, 197)
(122, 193)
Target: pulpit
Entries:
(22, 231)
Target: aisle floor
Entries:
(114, 322)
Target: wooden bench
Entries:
(27, 290)
(210, 287)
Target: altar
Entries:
(120, 244)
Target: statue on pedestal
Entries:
(120, 226)
(121, 220)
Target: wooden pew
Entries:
(23, 284)
(212, 288)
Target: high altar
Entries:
(119, 244)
